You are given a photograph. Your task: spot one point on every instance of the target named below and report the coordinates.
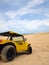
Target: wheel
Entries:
(29, 51)
(8, 53)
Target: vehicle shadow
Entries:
(20, 54)
(17, 55)
(0, 58)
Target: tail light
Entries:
(1, 41)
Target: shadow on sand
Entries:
(17, 55)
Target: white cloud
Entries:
(26, 9)
(1, 16)
(31, 3)
(29, 8)
(46, 23)
(10, 14)
(3, 26)
(46, 14)
(34, 3)
(22, 25)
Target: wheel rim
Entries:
(10, 54)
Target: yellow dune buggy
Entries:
(11, 44)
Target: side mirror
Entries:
(25, 39)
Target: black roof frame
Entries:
(10, 34)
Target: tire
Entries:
(8, 53)
(29, 51)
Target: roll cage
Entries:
(11, 34)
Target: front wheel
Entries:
(29, 51)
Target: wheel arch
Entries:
(9, 43)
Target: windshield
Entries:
(19, 38)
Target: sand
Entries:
(40, 53)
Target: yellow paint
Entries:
(20, 46)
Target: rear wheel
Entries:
(8, 53)
(29, 51)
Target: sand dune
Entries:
(40, 55)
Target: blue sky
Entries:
(24, 16)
